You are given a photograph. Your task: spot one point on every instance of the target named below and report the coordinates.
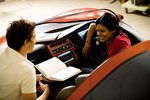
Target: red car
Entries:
(124, 76)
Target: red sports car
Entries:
(124, 76)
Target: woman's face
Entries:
(103, 33)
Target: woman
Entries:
(106, 27)
(107, 30)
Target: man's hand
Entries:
(44, 88)
(40, 77)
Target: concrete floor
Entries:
(38, 10)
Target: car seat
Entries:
(65, 92)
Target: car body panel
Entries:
(106, 69)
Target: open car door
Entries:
(124, 76)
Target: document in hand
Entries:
(56, 70)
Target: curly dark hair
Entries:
(18, 32)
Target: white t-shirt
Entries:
(17, 75)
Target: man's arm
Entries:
(29, 96)
(46, 91)
(32, 96)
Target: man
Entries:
(17, 74)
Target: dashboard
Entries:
(64, 50)
(66, 47)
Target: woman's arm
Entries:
(87, 45)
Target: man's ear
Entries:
(26, 43)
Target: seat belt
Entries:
(107, 67)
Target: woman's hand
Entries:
(92, 29)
